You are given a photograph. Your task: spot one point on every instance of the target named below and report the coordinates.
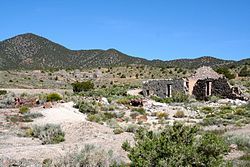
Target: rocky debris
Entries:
(236, 102)
(104, 101)
(234, 155)
(97, 74)
(135, 92)
(205, 72)
(61, 101)
(119, 119)
(141, 118)
(27, 102)
(47, 105)
(136, 102)
(233, 147)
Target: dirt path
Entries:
(60, 113)
(78, 132)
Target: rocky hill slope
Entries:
(30, 51)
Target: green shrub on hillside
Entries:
(89, 156)
(176, 145)
(53, 97)
(87, 107)
(179, 114)
(108, 92)
(225, 71)
(23, 109)
(177, 97)
(118, 130)
(3, 92)
(207, 109)
(94, 118)
(82, 86)
(226, 114)
(244, 72)
(241, 140)
(139, 110)
(48, 134)
(162, 115)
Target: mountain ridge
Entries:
(30, 51)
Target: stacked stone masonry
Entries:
(203, 84)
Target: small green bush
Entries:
(161, 100)
(108, 108)
(87, 107)
(240, 111)
(214, 98)
(29, 132)
(133, 115)
(125, 100)
(118, 130)
(178, 97)
(23, 109)
(109, 115)
(211, 121)
(3, 92)
(139, 110)
(179, 114)
(207, 109)
(126, 146)
(48, 134)
(244, 72)
(162, 115)
(82, 86)
(132, 128)
(120, 114)
(226, 72)
(26, 117)
(101, 117)
(112, 123)
(53, 97)
(89, 156)
(94, 118)
(7, 100)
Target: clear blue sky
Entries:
(153, 29)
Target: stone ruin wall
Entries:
(159, 87)
(220, 87)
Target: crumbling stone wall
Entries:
(159, 87)
(220, 87)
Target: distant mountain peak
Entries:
(208, 58)
(27, 35)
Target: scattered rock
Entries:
(62, 101)
(47, 105)
(136, 102)
(119, 119)
(233, 147)
(141, 118)
(104, 100)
